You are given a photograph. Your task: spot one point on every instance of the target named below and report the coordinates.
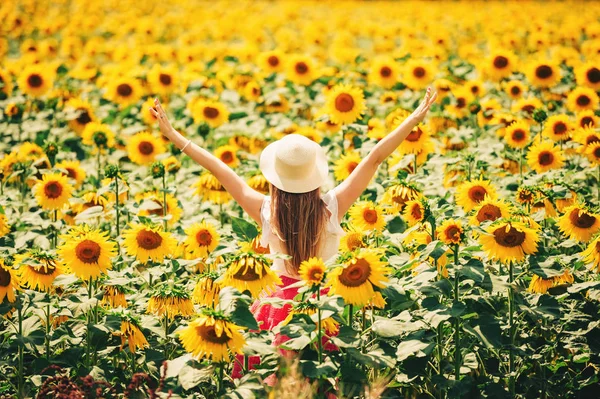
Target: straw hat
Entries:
(294, 164)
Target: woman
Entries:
(295, 219)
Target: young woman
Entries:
(295, 219)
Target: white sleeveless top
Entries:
(331, 239)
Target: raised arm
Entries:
(348, 191)
(249, 199)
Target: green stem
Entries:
(521, 166)
(319, 332)
(166, 336)
(117, 203)
(342, 141)
(511, 355)
(164, 182)
(457, 354)
(48, 328)
(21, 381)
(99, 169)
(598, 186)
(220, 380)
(350, 311)
(415, 163)
(440, 353)
(88, 358)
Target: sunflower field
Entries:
(468, 269)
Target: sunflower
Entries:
(6, 85)
(558, 127)
(9, 282)
(509, 241)
(252, 91)
(354, 280)
(543, 74)
(383, 72)
(73, 171)
(171, 164)
(37, 269)
(36, 79)
(88, 200)
(227, 154)
(579, 223)
(163, 79)
(251, 271)
(212, 336)
(490, 209)
(98, 135)
(114, 296)
(124, 91)
(4, 226)
(353, 239)
(581, 99)
(202, 239)
(312, 271)
(398, 195)
(130, 332)
(587, 118)
(151, 203)
(593, 153)
(591, 254)
(53, 191)
(514, 89)
(517, 134)
(366, 215)
(214, 113)
(451, 232)
(540, 285)
(416, 140)
(259, 183)
(209, 188)
(471, 193)
(500, 64)
(396, 117)
(544, 156)
(271, 61)
(170, 302)
(415, 211)
(345, 104)
(588, 74)
(206, 292)
(301, 69)
(328, 324)
(526, 106)
(147, 242)
(417, 74)
(344, 166)
(144, 147)
(87, 252)
(83, 114)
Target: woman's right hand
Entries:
(419, 114)
(161, 116)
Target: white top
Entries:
(331, 240)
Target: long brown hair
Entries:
(298, 220)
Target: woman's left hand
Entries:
(161, 116)
(419, 113)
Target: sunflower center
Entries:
(511, 238)
(211, 112)
(53, 189)
(351, 166)
(586, 120)
(453, 233)
(84, 117)
(400, 199)
(158, 211)
(477, 193)
(525, 196)
(370, 216)
(246, 275)
(386, 72)
(414, 134)
(583, 220)
(592, 139)
(416, 213)
(518, 135)
(100, 139)
(461, 102)
(4, 277)
(301, 68)
(45, 270)
(515, 90)
(71, 173)
(419, 72)
(597, 152)
(344, 102)
(593, 75)
(124, 90)
(546, 158)
(35, 80)
(316, 274)
(88, 251)
(356, 274)
(560, 128)
(204, 238)
(148, 239)
(165, 79)
(146, 147)
(227, 157)
(543, 71)
(209, 334)
(354, 242)
(488, 212)
(500, 62)
(273, 61)
(583, 100)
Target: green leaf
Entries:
(245, 230)
(237, 115)
(237, 306)
(413, 347)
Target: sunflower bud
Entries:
(474, 107)
(203, 129)
(539, 115)
(51, 149)
(158, 169)
(111, 171)
(100, 139)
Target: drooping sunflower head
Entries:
(399, 194)
(345, 104)
(144, 147)
(259, 183)
(53, 191)
(367, 216)
(329, 324)
(151, 204)
(544, 156)
(579, 223)
(517, 134)
(312, 271)
(148, 242)
(471, 193)
(591, 255)
(37, 269)
(210, 189)
(206, 291)
(170, 302)
(451, 232)
(131, 332)
(114, 296)
(251, 271)
(202, 239)
(509, 240)
(415, 211)
(490, 210)
(355, 279)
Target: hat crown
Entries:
(296, 152)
